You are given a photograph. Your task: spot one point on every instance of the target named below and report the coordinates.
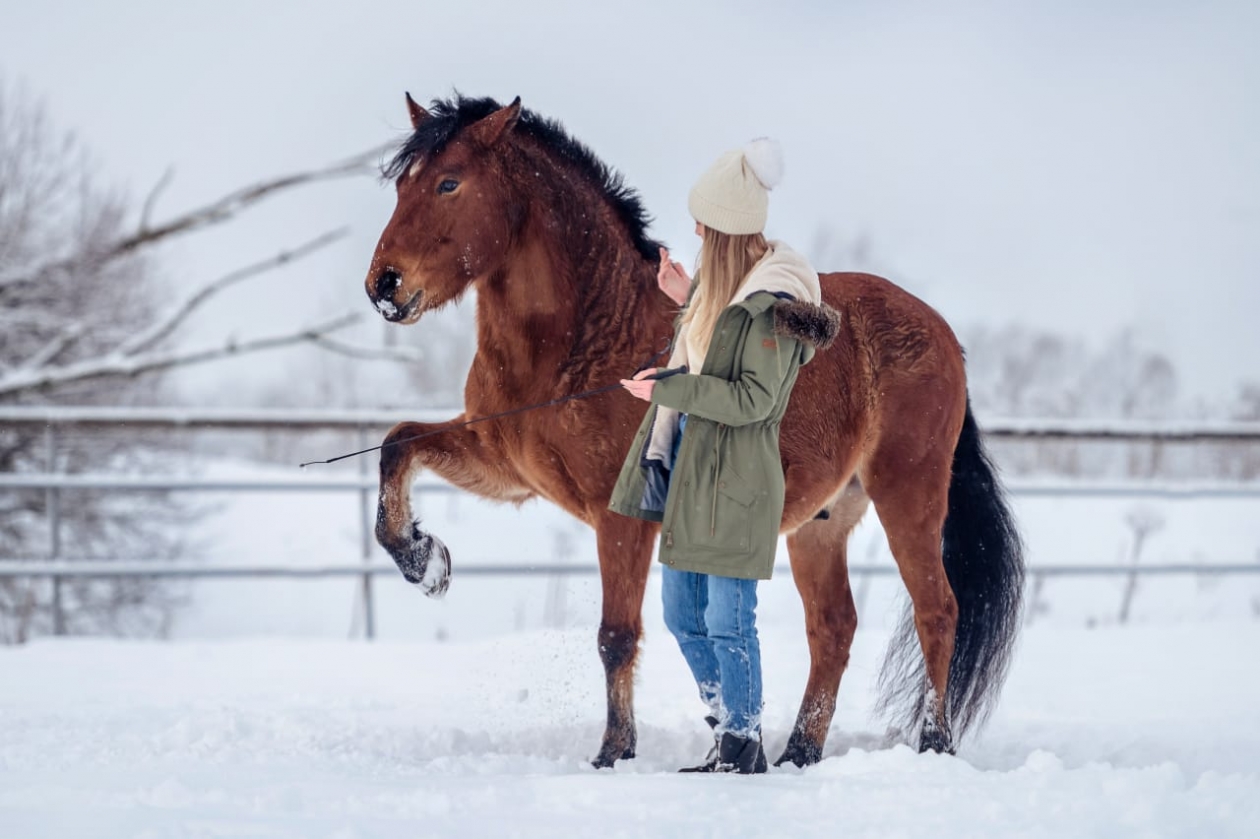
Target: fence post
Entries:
(554, 609)
(365, 543)
(1034, 602)
(863, 588)
(52, 499)
(1144, 522)
(59, 614)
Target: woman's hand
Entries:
(640, 388)
(672, 279)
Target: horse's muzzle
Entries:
(387, 283)
(383, 292)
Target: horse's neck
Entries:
(522, 319)
(569, 311)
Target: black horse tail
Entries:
(984, 562)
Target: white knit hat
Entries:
(733, 195)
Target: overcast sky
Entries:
(1075, 167)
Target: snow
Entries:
(284, 737)
(387, 308)
(477, 715)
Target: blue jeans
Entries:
(715, 622)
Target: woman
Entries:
(705, 462)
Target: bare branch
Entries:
(131, 366)
(163, 183)
(216, 212)
(55, 347)
(150, 338)
(402, 355)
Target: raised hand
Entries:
(672, 279)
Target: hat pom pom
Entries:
(765, 158)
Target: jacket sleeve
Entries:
(766, 360)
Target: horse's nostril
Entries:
(387, 282)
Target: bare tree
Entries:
(43, 350)
(80, 324)
(49, 204)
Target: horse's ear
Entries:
(489, 130)
(418, 114)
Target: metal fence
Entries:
(57, 569)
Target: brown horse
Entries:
(500, 200)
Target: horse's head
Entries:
(452, 223)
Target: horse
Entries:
(499, 199)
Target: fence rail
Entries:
(57, 573)
(40, 568)
(278, 418)
(1016, 487)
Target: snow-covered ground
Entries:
(1108, 732)
(476, 716)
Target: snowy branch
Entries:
(215, 212)
(151, 201)
(151, 337)
(118, 364)
(402, 355)
(54, 348)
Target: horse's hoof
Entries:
(608, 757)
(934, 740)
(800, 753)
(424, 561)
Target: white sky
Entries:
(1076, 167)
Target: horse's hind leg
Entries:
(820, 568)
(625, 554)
(912, 503)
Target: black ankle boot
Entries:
(741, 755)
(711, 759)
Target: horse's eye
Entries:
(447, 186)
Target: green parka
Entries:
(724, 503)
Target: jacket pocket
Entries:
(738, 491)
(728, 525)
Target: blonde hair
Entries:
(725, 261)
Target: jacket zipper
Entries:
(669, 532)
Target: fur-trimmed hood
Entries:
(786, 274)
(814, 324)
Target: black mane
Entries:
(448, 117)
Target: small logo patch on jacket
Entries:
(770, 343)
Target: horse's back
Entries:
(898, 330)
(890, 386)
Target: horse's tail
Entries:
(983, 557)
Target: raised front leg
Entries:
(459, 455)
(625, 554)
